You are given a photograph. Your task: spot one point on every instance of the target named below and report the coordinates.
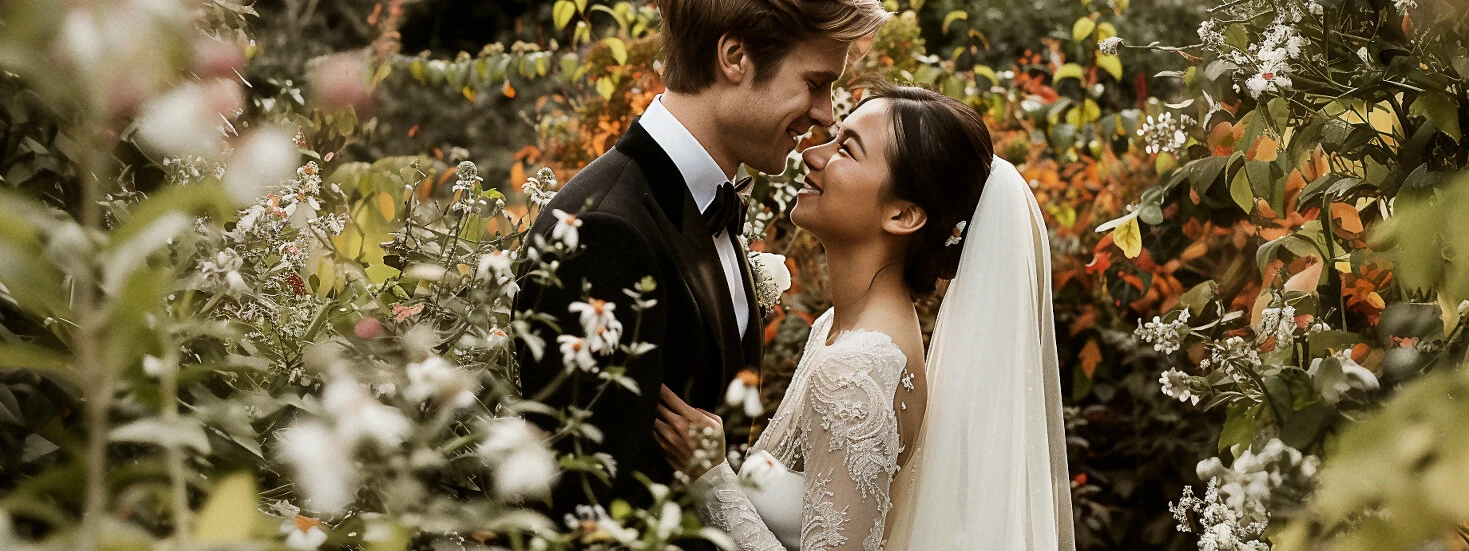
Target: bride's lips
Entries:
(810, 188)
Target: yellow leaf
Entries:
(1110, 63)
(1083, 28)
(387, 206)
(230, 515)
(468, 93)
(1129, 237)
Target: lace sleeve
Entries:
(852, 445)
(725, 506)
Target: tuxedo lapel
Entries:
(672, 206)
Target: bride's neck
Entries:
(858, 274)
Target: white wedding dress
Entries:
(988, 470)
(837, 431)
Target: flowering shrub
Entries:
(1329, 130)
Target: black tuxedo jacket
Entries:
(638, 220)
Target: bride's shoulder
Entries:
(893, 340)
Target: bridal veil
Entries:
(989, 471)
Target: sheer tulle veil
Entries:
(989, 471)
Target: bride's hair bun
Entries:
(940, 162)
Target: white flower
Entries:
(186, 120)
(668, 519)
(576, 353)
(436, 378)
(322, 465)
(1271, 78)
(1404, 5)
(1110, 45)
(599, 324)
(520, 460)
(1336, 383)
(1176, 385)
(1279, 323)
(741, 393)
(1364, 56)
(265, 159)
(771, 277)
(565, 230)
(359, 416)
(303, 534)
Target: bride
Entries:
(873, 447)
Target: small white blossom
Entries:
(1279, 323)
(360, 417)
(437, 379)
(565, 230)
(1109, 46)
(519, 458)
(745, 394)
(1336, 383)
(321, 465)
(576, 353)
(303, 535)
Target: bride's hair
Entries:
(940, 161)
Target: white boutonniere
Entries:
(771, 278)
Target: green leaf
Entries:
(619, 49)
(956, 15)
(30, 356)
(1441, 109)
(1083, 28)
(230, 515)
(562, 13)
(1239, 190)
(1203, 173)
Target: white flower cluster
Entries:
(1110, 45)
(540, 187)
(466, 183)
(1233, 354)
(438, 380)
(603, 332)
(1279, 323)
(1165, 336)
(498, 268)
(1248, 485)
(1165, 134)
(320, 452)
(593, 523)
(187, 169)
(1176, 384)
(1271, 58)
(1222, 529)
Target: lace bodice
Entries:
(838, 426)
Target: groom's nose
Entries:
(821, 108)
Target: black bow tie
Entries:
(727, 212)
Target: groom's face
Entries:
(766, 119)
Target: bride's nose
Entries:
(816, 157)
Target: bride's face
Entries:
(844, 198)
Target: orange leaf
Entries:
(1091, 355)
(509, 90)
(1346, 218)
(1306, 280)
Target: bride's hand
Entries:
(692, 439)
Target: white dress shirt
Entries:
(703, 176)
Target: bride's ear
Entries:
(732, 59)
(904, 218)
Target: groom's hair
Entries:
(770, 29)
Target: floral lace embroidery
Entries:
(727, 508)
(846, 391)
(821, 529)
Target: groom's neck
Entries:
(698, 113)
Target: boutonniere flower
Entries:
(771, 278)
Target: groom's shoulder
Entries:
(613, 183)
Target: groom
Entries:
(744, 79)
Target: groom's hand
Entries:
(692, 439)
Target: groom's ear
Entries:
(734, 64)
(905, 218)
